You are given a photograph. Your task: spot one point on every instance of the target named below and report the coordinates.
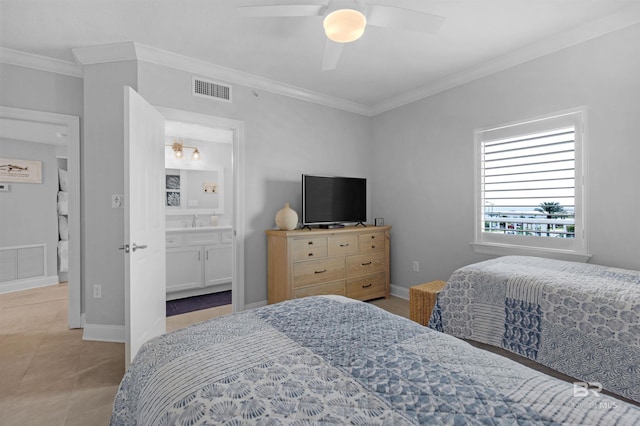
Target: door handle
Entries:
(125, 248)
(135, 247)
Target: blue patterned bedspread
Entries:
(580, 319)
(333, 360)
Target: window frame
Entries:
(558, 248)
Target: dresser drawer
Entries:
(308, 262)
(317, 271)
(174, 240)
(340, 245)
(371, 241)
(367, 287)
(367, 263)
(309, 248)
(336, 287)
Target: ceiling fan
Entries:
(345, 21)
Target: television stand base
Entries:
(331, 226)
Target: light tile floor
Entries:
(50, 376)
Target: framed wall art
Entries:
(25, 171)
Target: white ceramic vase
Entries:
(287, 218)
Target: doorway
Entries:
(64, 131)
(228, 210)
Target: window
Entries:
(530, 187)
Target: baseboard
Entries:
(401, 292)
(198, 292)
(28, 283)
(259, 304)
(104, 333)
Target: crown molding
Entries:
(105, 53)
(136, 51)
(625, 18)
(43, 63)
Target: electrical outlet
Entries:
(416, 266)
(97, 291)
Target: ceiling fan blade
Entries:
(281, 10)
(331, 56)
(403, 19)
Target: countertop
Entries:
(199, 228)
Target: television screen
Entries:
(333, 199)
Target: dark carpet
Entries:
(196, 303)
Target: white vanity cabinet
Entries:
(198, 261)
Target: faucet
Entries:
(194, 222)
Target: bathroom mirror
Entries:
(194, 191)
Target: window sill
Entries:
(513, 250)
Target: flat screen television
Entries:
(333, 200)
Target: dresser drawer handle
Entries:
(366, 285)
(344, 245)
(310, 243)
(373, 237)
(320, 272)
(310, 254)
(367, 263)
(373, 246)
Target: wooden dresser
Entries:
(351, 261)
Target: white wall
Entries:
(103, 175)
(40, 90)
(425, 159)
(36, 90)
(28, 211)
(284, 138)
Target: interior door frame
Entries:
(237, 127)
(72, 124)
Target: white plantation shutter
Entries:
(519, 174)
(530, 183)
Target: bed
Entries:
(580, 319)
(333, 360)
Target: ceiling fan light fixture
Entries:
(344, 25)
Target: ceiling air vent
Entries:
(211, 89)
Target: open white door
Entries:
(144, 223)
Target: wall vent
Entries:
(211, 89)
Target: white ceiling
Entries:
(383, 65)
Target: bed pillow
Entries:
(62, 178)
(63, 203)
(63, 228)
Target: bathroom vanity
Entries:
(199, 260)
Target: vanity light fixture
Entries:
(196, 155)
(178, 147)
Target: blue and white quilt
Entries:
(333, 360)
(580, 319)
